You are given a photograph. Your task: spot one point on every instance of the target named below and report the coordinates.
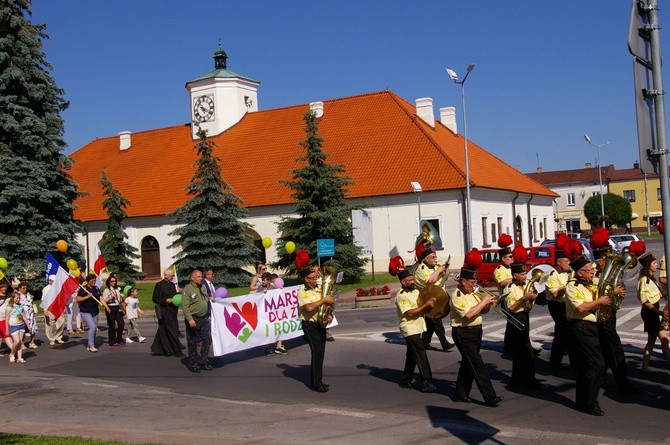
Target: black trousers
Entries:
(316, 338)
(116, 324)
(613, 354)
(202, 332)
(589, 362)
(434, 326)
(416, 357)
(469, 341)
(559, 346)
(523, 359)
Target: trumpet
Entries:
(481, 292)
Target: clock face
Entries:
(203, 108)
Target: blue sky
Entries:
(546, 71)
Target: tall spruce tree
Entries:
(319, 191)
(117, 252)
(213, 233)
(37, 192)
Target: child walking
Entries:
(15, 316)
(133, 312)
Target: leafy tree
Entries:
(319, 191)
(37, 191)
(617, 210)
(117, 252)
(213, 233)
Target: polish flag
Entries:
(56, 300)
(98, 260)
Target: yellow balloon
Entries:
(61, 245)
(2, 275)
(75, 272)
(290, 247)
(3, 263)
(72, 264)
(267, 242)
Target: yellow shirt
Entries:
(306, 296)
(577, 293)
(423, 272)
(502, 273)
(405, 301)
(513, 293)
(648, 291)
(461, 303)
(555, 281)
(662, 272)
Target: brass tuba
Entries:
(441, 308)
(536, 275)
(328, 275)
(615, 266)
(481, 292)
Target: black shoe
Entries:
(194, 369)
(464, 399)
(206, 367)
(320, 388)
(428, 387)
(595, 411)
(431, 348)
(449, 347)
(558, 367)
(178, 354)
(494, 401)
(628, 389)
(406, 385)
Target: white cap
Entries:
(52, 277)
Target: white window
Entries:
(571, 199)
(629, 195)
(485, 235)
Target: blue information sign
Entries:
(325, 247)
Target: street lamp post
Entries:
(416, 187)
(600, 175)
(468, 211)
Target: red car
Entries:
(536, 255)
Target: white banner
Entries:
(257, 319)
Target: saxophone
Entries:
(328, 283)
(615, 266)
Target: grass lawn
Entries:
(22, 439)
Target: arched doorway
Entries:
(518, 230)
(151, 258)
(257, 241)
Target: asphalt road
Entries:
(127, 394)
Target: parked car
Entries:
(624, 240)
(536, 255)
(586, 246)
(575, 235)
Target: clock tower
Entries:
(220, 98)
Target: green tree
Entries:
(617, 210)
(36, 189)
(319, 191)
(117, 252)
(213, 233)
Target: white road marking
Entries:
(340, 412)
(100, 384)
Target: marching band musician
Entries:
(412, 326)
(428, 272)
(555, 289)
(581, 304)
(309, 301)
(503, 276)
(519, 303)
(610, 343)
(466, 323)
(649, 293)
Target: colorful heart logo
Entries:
(234, 322)
(249, 312)
(246, 334)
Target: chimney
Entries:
(539, 170)
(448, 118)
(587, 165)
(424, 109)
(317, 108)
(124, 140)
(636, 165)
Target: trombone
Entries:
(481, 292)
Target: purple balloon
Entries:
(279, 283)
(221, 292)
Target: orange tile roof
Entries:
(586, 174)
(377, 136)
